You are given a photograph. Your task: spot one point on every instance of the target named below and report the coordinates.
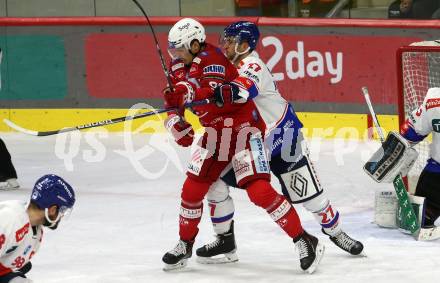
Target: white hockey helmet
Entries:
(183, 33)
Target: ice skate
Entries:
(178, 257)
(222, 250)
(310, 251)
(346, 243)
(9, 185)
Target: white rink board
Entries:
(123, 223)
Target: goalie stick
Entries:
(399, 186)
(98, 123)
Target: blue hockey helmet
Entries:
(243, 31)
(52, 190)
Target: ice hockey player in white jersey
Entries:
(21, 225)
(289, 158)
(420, 123)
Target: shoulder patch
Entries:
(197, 60)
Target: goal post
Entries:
(418, 69)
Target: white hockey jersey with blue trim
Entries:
(275, 110)
(423, 121)
(18, 240)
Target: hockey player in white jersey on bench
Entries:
(397, 156)
(289, 161)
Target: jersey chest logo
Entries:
(214, 70)
(436, 125)
(20, 233)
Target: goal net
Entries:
(418, 70)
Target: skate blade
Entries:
(8, 188)
(171, 267)
(320, 248)
(225, 258)
(362, 254)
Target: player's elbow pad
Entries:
(394, 157)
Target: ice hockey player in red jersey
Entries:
(232, 137)
(21, 225)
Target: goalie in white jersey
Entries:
(289, 158)
(420, 123)
(21, 225)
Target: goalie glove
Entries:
(396, 156)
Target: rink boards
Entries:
(316, 125)
(61, 72)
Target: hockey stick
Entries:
(162, 61)
(399, 186)
(99, 123)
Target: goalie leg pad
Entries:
(385, 208)
(388, 214)
(395, 156)
(221, 207)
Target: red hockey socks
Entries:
(191, 208)
(189, 219)
(280, 210)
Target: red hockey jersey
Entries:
(209, 69)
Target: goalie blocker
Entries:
(394, 156)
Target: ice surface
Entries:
(125, 218)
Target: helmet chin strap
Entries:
(238, 53)
(53, 223)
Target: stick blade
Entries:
(16, 127)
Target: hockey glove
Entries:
(236, 92)
(181, 130)
(226, 94)
(182, 93)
